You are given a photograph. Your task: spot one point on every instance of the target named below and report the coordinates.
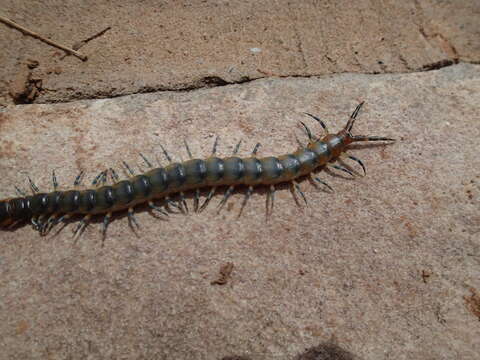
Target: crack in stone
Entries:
(217, 81)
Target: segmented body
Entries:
(160, 183)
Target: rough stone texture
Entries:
(384, 268)
(157, 45)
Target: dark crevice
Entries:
(216, 81)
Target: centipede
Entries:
(168, 184)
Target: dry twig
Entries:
(39, 37)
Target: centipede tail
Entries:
(170, 183)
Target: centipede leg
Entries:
(215, 145)
(196, 200)
(237, 147)
(101, 178)
(152, 206)
(255, 149)
(33, 187)
(359, 162)
(183, 203)
(82, 225)
(78, 178)
(170, 202)
(307, 131)
(132, 220)
(270, 200)
(248, 194)
(106, 221)
(317, 179)
(165, 153)
(299, 143)
(149, 164)
(129, 169)
(338, 167)
(297, 187)
(188, 149)
(54, 181)
(49, 225)
(322, 124)
(35, 224)
(20, 192)
(227, 194)
(62, 219)
(207, 200)
(114, 175)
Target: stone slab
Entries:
(387, 267)
(174, 45)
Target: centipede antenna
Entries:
(106, 222)
(297, 187)
(307, 131)
(20, 192)
(54, 181)
(360, 162)
(114, 175)
(165, 153)
(207, 200)
(351, 121)
(322, 124)
(129, 169)
(33, 186)
(371, 138)
(317, 179)
(255, 149)
(157, 208)
(188, 149)
(215, 144)
(196, 200)
(149, 164)
(183, 202)
(248, 194)
(344, 170)
(227, 194)
(79, 178)
(131, 219)
(237, 147)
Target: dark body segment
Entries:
(69, 202)
(307, 159)
(291, 166)
(253, 171)
(322, 151)
(17, 208)
(272, 170)
(105, 199)
(142, 186)
(158, 180)
(176, 175)
(234, 170)
(87, 201)
(215, 171)
(195, 172)
(124, 193)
